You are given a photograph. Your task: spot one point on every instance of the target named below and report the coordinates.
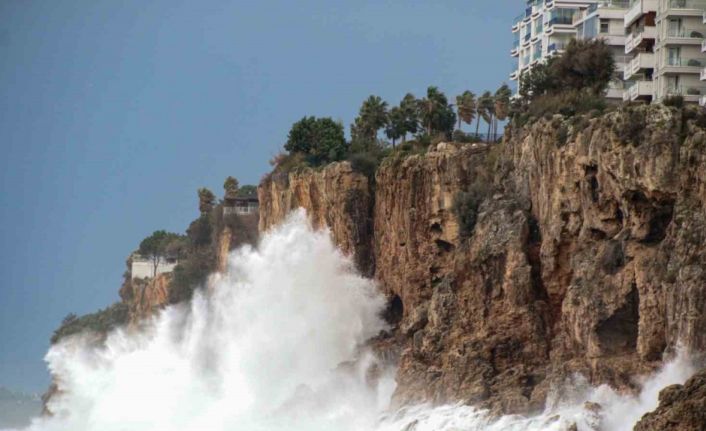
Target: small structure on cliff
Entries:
(241, 205)
(143, 267)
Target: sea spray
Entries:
(264, 348)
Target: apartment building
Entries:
(543, 30)
(605, 20)
(658, 45)
(666, 42)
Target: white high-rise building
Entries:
(667, 48)
(543, 30)
(658, 45)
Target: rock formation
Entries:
(586, 253)
(681, 408)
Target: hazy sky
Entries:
(113, 113)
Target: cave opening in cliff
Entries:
(618, 333)
(394, 311)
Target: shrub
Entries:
(366, 162)
(100, 322)
(190, 274)
(568, 103)
(466, 205)
(676, 101)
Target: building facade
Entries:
(658, 45)
(143, 267)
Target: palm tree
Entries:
(395, 127)
(485, 109)
(373, 116)
(436, 112)
(408, 108)
(466, 107)
(502, 105)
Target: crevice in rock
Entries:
(444, 246)
(591, 171)
(394, 311)
(661, 217)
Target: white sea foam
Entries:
(275, 344)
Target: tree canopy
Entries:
(321, 140)
(436, 113)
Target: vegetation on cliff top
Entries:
(314, 142)
(99, 322)
(196, 252)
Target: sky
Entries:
(113, 113)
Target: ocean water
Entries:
(276, 343)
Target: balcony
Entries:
(686, 7)
(683, 65)
(514, 74)
(635, 39)
(639, 90)
(644, 60)
(702, 100)
(515, 51)
(684, 36)
(703, 74)
(516, 22)
(526, 39)
(639, 8)
(691, 93)
(528, 13)
(556, 48)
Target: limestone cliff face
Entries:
(144, 297)
(587, 254)
(335, 197)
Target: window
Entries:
(674, 58)
(675, 27)
(605, 26)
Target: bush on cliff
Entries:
(570, 84)
(465, 207)
(99, 322)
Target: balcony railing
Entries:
(686, 4)
(686, 90)
(686, 62)
(556, 47)
(561, 20)
(685, 33)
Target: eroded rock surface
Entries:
(587, 255)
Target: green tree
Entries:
(373, 116)
(155, 247)
(206, 200)
(436, 113)
(466, 107)
(230, 185)
(486, 109)
(502, 105)
(395, 128)
(321, 140)
(584, 65)
(539, 80)
(410, 114)
(247, 189)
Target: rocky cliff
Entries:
(335, 197)
(681, 408)
(579, 249)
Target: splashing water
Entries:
(275, 344)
